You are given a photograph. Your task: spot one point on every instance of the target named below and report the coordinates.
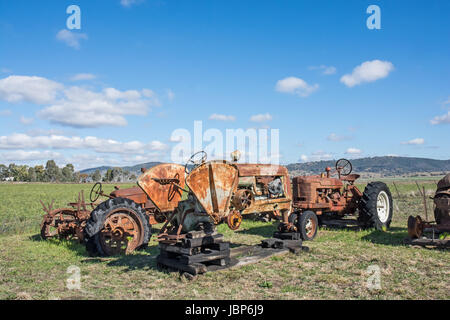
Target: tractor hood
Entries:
(444, 183)
(164, 196)
(213, 183)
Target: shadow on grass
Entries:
(394, 236)
(337, 228)
(265, 231)
(143, 259)
(73, 244)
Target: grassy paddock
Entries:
(335, 268)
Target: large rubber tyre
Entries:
(307, 224)
(100, 214)
(375, 207)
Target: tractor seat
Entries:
(351, 177)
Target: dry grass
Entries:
(335, 267)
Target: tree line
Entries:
(52, 173)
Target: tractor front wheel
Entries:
(375, 209)
(306, 223)
(116, 226)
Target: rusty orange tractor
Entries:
(191, 197)
(125, 217)
(220, 191)
(333, 198)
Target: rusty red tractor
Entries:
(318, 199)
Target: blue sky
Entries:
(115, 90)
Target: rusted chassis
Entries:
(215, 192)
(326, 195)
(67, 223)
(417, 226)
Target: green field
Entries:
(335, 268)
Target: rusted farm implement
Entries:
(191, 200)
(433, 233)
(70, 222)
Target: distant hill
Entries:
(136, 169)
(367, 167)
(379, 166)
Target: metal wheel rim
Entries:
(246, 199)
(121, 233)
(383, 206)
(310, 227)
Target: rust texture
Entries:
(69, 222)
(323, 194)
(213, 184)
(66, 223)
(163, 184)
(417, 226)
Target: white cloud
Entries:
(30, 89)
(177, 138)
(84, 108)
(21, 155)
(25, 141)
(83, 76)
(316, 156)
(368, 71)
(157, 146)
(170, 95)
(353, 151)
(329, 70)
(296, 86)
(41, 132)
(326, 70)
(441, 119)
(129, 3)
(72, 39)
(221, 117)
(416, 141)
(336, 138)
(5, 112)
(76, 106)
(261, 117)
(26, 121)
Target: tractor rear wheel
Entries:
(375, 208)
(117, 226)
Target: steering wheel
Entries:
(195, 162)
(344, 167)
(173, 190)
(96, 192)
